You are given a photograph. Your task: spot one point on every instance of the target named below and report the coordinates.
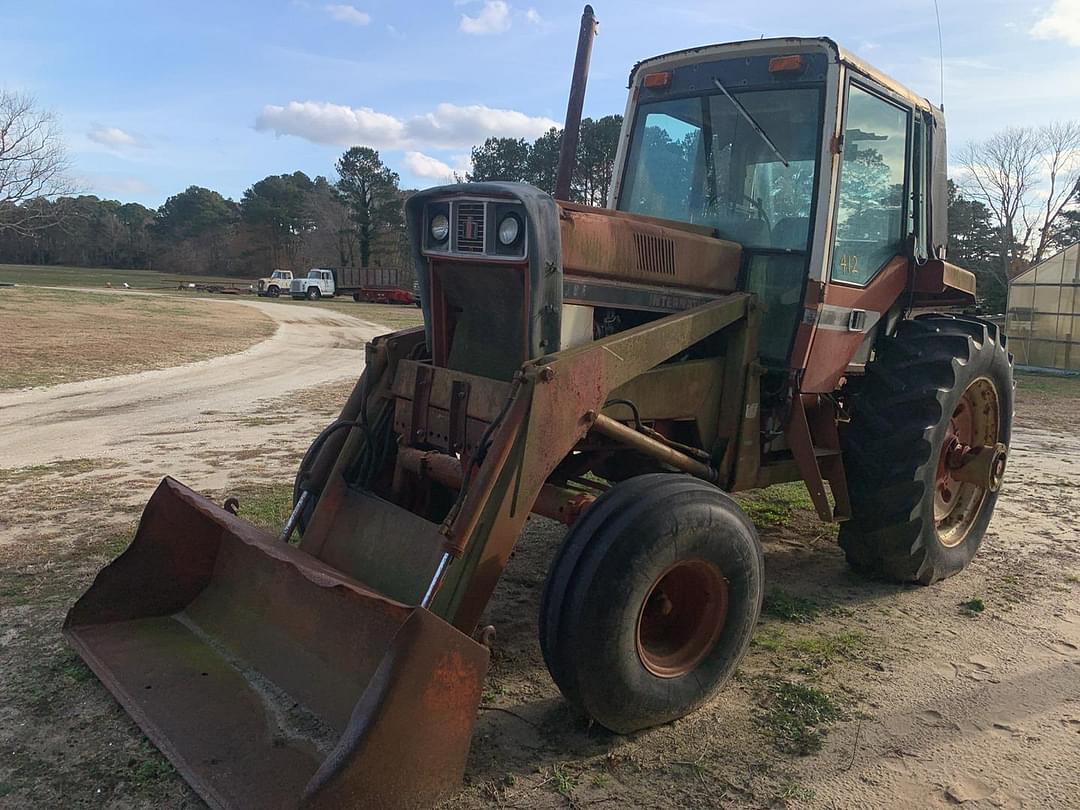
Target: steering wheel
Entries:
(759, 208)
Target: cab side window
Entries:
(870, 214)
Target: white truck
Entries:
(318, 284)
(273, 286)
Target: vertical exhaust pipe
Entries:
(572, 125)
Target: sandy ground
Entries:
(126, 416)
(940, 705)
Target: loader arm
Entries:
(547, 410)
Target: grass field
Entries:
(393, 316)
(61, 276)
(54, 336)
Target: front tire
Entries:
(938, 385)
(313, 294)
(651, 601)
(273, 292)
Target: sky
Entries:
(156, 96)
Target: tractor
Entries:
(766, 298)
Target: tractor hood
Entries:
(497, 263)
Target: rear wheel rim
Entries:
(974, 422)
(681, 617)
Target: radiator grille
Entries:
(469, 236)
(656, 254)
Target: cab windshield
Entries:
(700, 160)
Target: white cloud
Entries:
(348, 14)
(448, 126)
(1062, 21)
(113, 137)
(533, 16)
(434, 169)
(494, 18)
(322, 122)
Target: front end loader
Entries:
(765, 299)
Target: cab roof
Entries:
(783, 45)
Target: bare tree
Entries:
(1061, 164)
(33, 163)
(1027, 177)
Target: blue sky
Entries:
(156, 96)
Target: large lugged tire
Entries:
(651, 601)
(938, 385)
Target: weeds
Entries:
(772, 639)
(790, 608)
(773, 505)
(265, 506)
(798, 716)
(564, 781)
(793, 790)
(824, 648)
(811, 653)
(973, 605)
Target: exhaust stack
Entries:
(572, 125)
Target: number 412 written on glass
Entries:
(849, 264)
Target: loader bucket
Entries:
(270, 679)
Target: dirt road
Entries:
(964, 693)
(115, 417)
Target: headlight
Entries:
(440, 227)
(508, 229)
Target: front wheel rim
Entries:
(681, 617)
(975, 422)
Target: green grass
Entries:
(793, 790)
(770, 639)
(774, 505)
(1048, 384)
(822, 650)
(797, 716)
(812, 654)
(789, 607)
(266, 506)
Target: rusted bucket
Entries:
(267, 677)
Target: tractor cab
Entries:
(815, 163)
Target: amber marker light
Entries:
(658, 81)
(785, 64)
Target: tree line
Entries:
(283, 221)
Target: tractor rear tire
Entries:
(650, 604)
(939, 383)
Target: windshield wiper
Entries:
(750, 120)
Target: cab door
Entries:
(873, 217)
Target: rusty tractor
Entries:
(766, 299)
